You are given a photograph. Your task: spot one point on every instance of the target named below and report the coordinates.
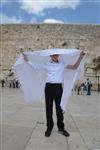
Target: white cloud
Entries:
(4, 19)
(38, 6)
(52, 20)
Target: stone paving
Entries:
(23, 125)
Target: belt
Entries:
(53, 83)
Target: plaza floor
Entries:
(23, 125)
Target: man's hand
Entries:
(25, 57)
(82, 54)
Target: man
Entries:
(3, 82)
(89, 86)
(53, 89)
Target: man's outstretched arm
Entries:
(37, 66)
(75, 66)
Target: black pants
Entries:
(53, 92)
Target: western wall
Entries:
(32, 37)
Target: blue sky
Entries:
(50, 11)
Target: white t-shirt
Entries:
(55, 71)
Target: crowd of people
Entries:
(12, 83)
(85, 88)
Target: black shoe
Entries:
(47, 133)
(65, 133)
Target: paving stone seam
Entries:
(32, 132)
(29, 137)
(78, 130)
(67, 144)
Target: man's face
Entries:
(55, 57)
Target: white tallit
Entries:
(33, 81)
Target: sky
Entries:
(50, 11)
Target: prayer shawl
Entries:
(33, 81)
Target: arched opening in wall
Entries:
(99, 36)
(77, 47)
(64, 44)
(38, 39)
(6, 31)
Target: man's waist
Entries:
(50, 83)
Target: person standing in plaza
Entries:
(89, 86)
(53, 89)
(3, 82)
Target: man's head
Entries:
(55, 57)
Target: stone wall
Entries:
(41, 36)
